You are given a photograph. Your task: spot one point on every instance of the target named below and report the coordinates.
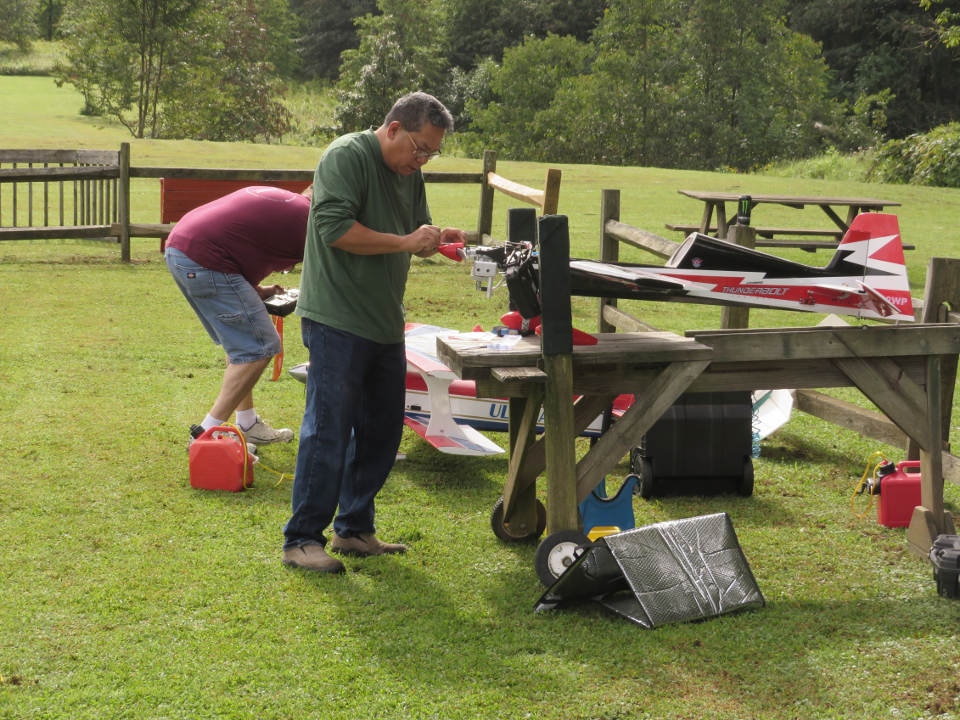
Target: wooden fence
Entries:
(86, 193)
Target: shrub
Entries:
(931, 158)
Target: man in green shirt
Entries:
(368, 216)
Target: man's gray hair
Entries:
(417, 108)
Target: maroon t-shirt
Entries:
(252, 232)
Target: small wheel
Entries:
(501, 531)
(557, 552)
(745, 486)
(645, 478)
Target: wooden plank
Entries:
(472, 359)
(160, 230)
(624, 321)
(519, 375)
(525, 464)
(790, 200)
(898, 400)
(562, 511)
(515, 189)
(817, 342)
(654, 244)
(58, 173)
(766, 232)
(866, 422)
(91, 157)
(58, 232)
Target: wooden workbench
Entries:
(896, 367)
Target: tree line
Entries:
(705, 84)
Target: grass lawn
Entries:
(127, 594)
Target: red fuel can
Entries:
(899, 494)
(220, 461)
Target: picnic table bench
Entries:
(716, 221)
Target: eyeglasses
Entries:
(419, 153)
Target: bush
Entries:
(931, 158)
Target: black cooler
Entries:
(701, 445)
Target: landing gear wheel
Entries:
(557, 552)
(745, 486)
(505, 534)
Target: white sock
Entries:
(210, 421)
(246, 418)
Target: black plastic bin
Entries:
(702, 445)
(945, 556)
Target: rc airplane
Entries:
(866, 277)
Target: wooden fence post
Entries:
(732, 318)
(123, 202)
(551, 192)
(609, 247)
(485, 220)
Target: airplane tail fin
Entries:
(871, 250)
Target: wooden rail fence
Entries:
(86, 193)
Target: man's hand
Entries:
(423, 241)
(267, 292)
(449, 235)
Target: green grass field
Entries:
(127, 594)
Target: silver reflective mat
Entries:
(673, 571)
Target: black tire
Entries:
(557, 552)
(645, 478)
(745, 486)
(501, 531)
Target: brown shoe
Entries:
(312, 557)
(363, 545)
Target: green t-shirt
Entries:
(360, 294)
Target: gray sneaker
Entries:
(262, 434)
(363, 545)
(312, 557)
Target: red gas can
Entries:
(220, 461)
(899, 494)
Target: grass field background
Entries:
(127, 594)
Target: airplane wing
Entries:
(626, 275)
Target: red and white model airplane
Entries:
(866, 277)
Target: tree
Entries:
(229, 90)
(517, 123)
(177, 67)
(327, 28)
(117, 55)
(48, 17)
(395, 56)
(875, 45)
(19, 22)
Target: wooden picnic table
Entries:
(716, 221)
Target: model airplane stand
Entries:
(898, 368)
(701, 445)
(674, 571)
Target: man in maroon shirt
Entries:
(218, 254)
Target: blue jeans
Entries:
(229, 308)
(355, 392)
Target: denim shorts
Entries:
(229, 308)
